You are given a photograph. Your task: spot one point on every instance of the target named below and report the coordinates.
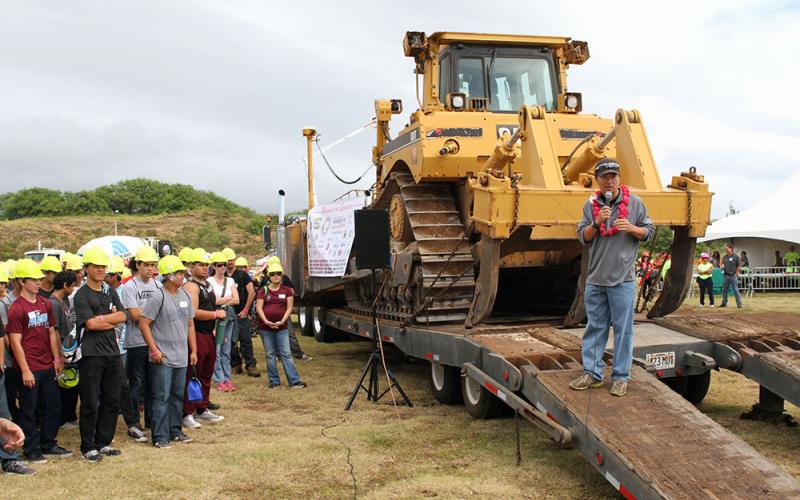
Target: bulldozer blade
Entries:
(486, 284)
(577, 312)
(679, 276)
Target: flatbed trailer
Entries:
(764, 347)
(650, 444)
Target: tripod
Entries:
(372, 366)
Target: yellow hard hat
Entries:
(241, 261)
(186, 254)
(96, 256)
(117, 265)
(199, 255)
(146, 254)
(217, 257)
(275, 267)
(27, 268)
(10, 265)
(50, 263)
(74, 262)
(126, 273)
(3, 272)
(273, 259)
(170, 264)
(65, 256)
(229, 253)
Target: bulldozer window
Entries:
(444, 78)
(516, 81)
(470, 77)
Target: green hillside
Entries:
(210, 228)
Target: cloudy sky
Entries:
(214, 94)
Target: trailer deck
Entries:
(652, 443)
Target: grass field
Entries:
(284, 443)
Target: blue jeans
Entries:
(731, 281)
(606, 305)
(222, 367)
(277, 344)
(4, 413)
(168, 385)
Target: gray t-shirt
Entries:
(730, 263)
(135, 294)
(611, 258)
(170, 326)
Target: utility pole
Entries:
(310, 134)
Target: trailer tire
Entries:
(697, 387)
(304, 320)
(677, 384)
(479, 402)
(322, 332)
(446, 384)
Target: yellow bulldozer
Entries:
(485, 186)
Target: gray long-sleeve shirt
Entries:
(611, 258)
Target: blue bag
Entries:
(194, 391)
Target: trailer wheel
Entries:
(445, 384)
(164, 248)
(305, 320)
(697, 387)
(322, 332)
(677, 384)
(479, 402)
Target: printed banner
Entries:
(331, 230)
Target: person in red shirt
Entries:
(274, 306)
(37, 356)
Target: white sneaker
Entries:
(712, 305)
(701, 305)
(210, 417)
(190, 423)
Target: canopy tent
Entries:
(773, 224)
(122, 246)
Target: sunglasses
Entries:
(219, 265)
(275, 274)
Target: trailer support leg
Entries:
(769, 409)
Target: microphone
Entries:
(608, 195)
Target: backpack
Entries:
(71, 345)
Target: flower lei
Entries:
(622, 210)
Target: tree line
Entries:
(133, 196)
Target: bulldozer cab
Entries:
(507, 77)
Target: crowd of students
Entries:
(89, 338)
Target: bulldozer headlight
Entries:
(572, 101)
(457, 100)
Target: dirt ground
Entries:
(292, 443)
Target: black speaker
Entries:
(372, 238)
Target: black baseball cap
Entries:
(606, 165)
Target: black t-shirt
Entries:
(730, 263)
(45, 293)
(88, 304)
(241, 279)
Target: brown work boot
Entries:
(619, 388)
(252, 371)
(237, 370)
(584, 382)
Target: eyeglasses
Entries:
(275, 274)
(219, 265)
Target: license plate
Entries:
(661, 360)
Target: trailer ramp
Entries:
(764, 347)
(652, 443)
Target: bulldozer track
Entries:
(444, 275)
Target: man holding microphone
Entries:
(614, 221)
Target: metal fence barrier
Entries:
(761, 279)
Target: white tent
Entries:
(773, 224)
(122, 246)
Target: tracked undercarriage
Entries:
(433, 276)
